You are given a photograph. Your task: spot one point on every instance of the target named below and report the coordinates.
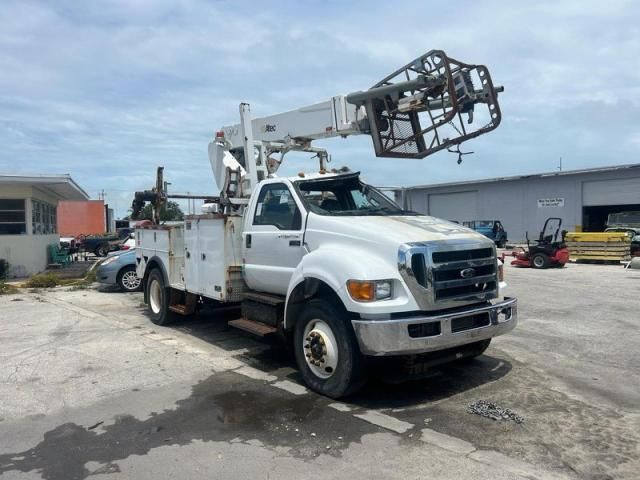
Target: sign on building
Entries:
(551, 202)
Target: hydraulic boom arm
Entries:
(415, 111)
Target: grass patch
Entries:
(6, 289)
(89, 278)
(43, 280)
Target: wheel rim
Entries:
(320, 348)
(538, 262)
(130, 280)
(155, 296)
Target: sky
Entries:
(108, 90)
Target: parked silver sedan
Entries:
(119, 268)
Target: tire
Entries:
(158, 298)
(102, 250)
(502, 243)
(127, 279)
(323, 332)
(540, 260)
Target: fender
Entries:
(335, 265)
(153, 262)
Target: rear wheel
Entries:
(326, 350)
(158, 298)
(540, 260)
(127, 279)
(502, 243)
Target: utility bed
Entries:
(200, 255)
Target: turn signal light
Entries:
(500, 271)
(362, 291)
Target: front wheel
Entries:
(158, 298)
(540, 260)
(326, 350)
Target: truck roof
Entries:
(302, 176)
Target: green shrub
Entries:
(43, 280)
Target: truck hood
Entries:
(392, 231)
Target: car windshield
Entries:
(345, 195)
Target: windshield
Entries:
(345, 195)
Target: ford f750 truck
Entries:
(324, 259)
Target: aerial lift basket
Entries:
(418, 109)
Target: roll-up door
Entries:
(624, 191)
(459, 206)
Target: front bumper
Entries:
(107, 274)
(391, 337)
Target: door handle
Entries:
(294, 243)
(247, 241)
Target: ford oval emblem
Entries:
(468, 273)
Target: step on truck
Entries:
(324, 259)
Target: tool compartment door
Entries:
(204, 257)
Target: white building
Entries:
(28, 218)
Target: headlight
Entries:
(109, 260)
(369, 290)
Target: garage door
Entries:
(611, 192)
(459, 206)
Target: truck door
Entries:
(272, 240)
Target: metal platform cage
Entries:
(418, 122)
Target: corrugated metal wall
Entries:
(524, 203)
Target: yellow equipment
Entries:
(608, 246)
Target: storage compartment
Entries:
(212, 256)
(165, 242)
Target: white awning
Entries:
(61, 186)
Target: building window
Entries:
(43, 218)
(12, 216)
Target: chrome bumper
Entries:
(391, 337)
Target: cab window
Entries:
(277, 207)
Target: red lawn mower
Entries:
(547, 252)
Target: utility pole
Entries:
(560, 167)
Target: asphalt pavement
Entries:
(88, 386)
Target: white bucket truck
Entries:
(325, 260)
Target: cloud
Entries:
(108, 90)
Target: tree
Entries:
(168, 213)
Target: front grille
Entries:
(439, 277)
(462, 255)
(464, 273)
(471, 322)
(454, 274)
(465, 290)
(419, 269)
